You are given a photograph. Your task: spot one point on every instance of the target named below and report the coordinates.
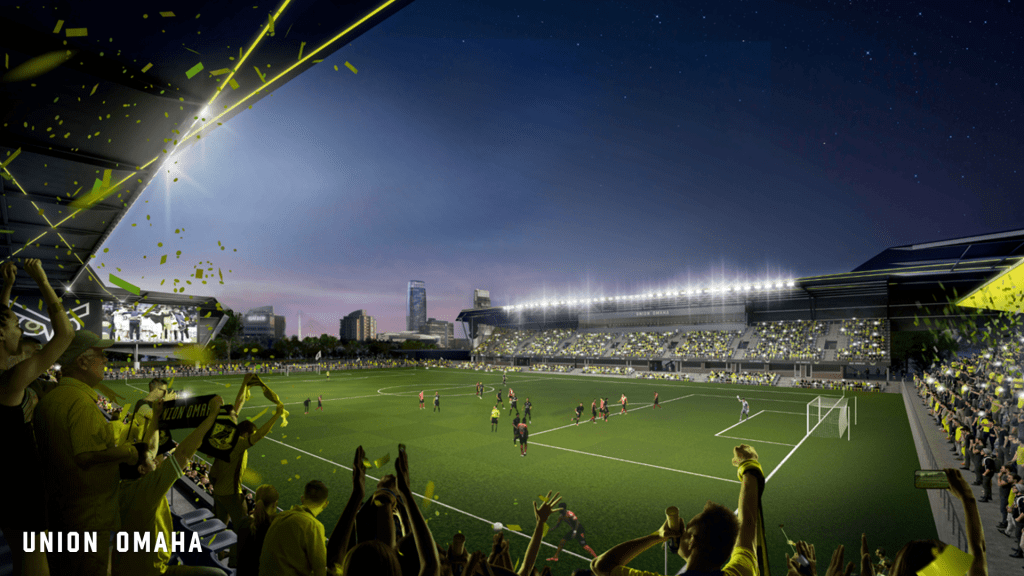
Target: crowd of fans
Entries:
(503, 342)
(749, 378)
(562, 368)
(641, 345)
(788, 340)
(589, 345)
(614, 370)
(866, 340)
(662, 376)
(822, 384)
(712, 344)
(546, 343)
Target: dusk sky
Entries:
(595, 148)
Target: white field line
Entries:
(599, 417)
(438, 502)
(781, 412)
(740, 422)
(756, 441)
(808, 435)
(634, 462)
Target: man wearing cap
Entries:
(988, 466)
(80, 456)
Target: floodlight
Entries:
(790, 284)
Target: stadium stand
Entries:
(546, 343)
(867, 340)
(503, 342)
(714, 344)
(749, 378)
(563, 368)
(589, 345)
(641, 345)
(788, 340)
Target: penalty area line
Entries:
(634, 462)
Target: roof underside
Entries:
(95, 99)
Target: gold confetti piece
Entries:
(352, 68)
(367, 463)
(437, 512)
(167, 14)
(335, 67)
(6, 231)
(147, 67)
(382, 460)
(38, 66)
(270, 25)
(296, 476)
(543, 498)
(163, 259)
(514, 527)
(60, 23)
(194, 70)
(94, 89)
(212, 538)
(219, 72)
(146, 313)
(233, 83)
(546, 528)
(72, 32)
(258, 73)
(199, 273)
(124, 285)
(952, 560)
(428, 492)
(301, 47)
(10, 158)
(283, 462)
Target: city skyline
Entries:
(617, 148)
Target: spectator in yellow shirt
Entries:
(295, 544)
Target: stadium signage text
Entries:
(125, 542)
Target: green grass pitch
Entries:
(618, 476)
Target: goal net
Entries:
(828, 417)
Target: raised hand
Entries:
(742, 453)
(34, 268)
(9, 272)
(835, 568)
(402, 470)
(957, 485)
(542, 512)
(359, 471)
(215, 403)
(866, 567)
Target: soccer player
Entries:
(306, 403)
(745, 411)
(527, 406)
(574, 532)
(604, 408)
(504, 378)
(422, 407)
(515, 430)
(494, 418)
(656, 405)
(593, 411)
(579, 412)
(523, 435)
(513, 403)
(480, 390)
(500, 401)
(437, 402)
(320, 402)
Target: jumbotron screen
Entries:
(150, 323)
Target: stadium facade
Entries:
(903, 288)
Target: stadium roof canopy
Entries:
(95, 98)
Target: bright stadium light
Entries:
(790, 284)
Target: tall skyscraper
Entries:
(416, 315)
(358, 326)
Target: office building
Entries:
(481, 299)
(444, 331)
(358, 326)
(416, 311)
(261, 323)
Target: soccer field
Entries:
(617, 476)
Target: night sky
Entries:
(596, 148)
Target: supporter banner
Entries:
(221, 439)
(190, 413)
(185, 412)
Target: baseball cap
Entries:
(83, 340)
(987, 451)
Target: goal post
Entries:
(829, 417)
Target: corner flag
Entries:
(317, 354)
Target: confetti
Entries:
(72, 32)
(233, 83)
(382, 460)
(352, 68)
(10, 158)
(60, 23)
(163, 259)
(952, 560)
(301, 47)
(147, 67)
(167, 14)
(367, 463)
(428, 492)
(514, 527)
(194, 70)
(221, 71)
(94, 89)
(283, 462)
(124, 285)
(260, 74)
